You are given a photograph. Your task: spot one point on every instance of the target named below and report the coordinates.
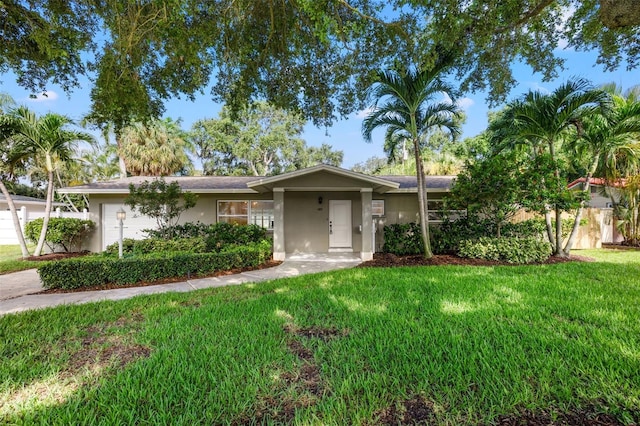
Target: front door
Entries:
(339, 224)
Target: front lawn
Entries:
(11, 259)
(440, 345)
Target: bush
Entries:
(506, 249)
(446, 237)
(64, 232)
(402, 239)
(156, 245)
(217, 236)
(99, 270)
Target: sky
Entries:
(345, 134)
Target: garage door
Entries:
(133, 224)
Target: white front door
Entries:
(339, 224)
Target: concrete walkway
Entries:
(19, 290)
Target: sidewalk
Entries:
(18, 291)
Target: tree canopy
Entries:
(261, 140)
(316, 58)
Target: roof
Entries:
(255, 184)
(23, 199)
(597, 182)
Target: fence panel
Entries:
(7, 231)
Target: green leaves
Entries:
(98, 270)
(160, 201)
(64, 232)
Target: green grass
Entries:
(10, 259)
(475, 343)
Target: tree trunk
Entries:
(547, 220)
(422, 203)
(16, 220)
(558, 249)
(47, 214)
(578, 218)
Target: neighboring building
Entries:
(600, 192)
(31, 203)
(28, 209)
(319, 209)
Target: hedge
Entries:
(510, 250)
(151, 245)
(99, 270)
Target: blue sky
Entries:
(344, 134)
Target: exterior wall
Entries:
(205, 211)
(306, 221)
(398, 208)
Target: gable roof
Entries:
(258, 184)
(378, 184)
(597, 182)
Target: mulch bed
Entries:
(57, 256)
(391, 260)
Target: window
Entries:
(377, 207)
(435, 209)
(262, 214)
(247, 212)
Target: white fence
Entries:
(7, 231)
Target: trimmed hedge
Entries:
(510, 250)
(151, 245)
(99, 270)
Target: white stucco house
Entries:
(319, 209)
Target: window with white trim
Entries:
(435, 209)
(243, 212)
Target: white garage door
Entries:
(133, 224)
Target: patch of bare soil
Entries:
(269, 264)
(584, 417)
(101, 348)
(296, 389)
(413, 411)
(391, 260)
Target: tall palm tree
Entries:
(407, 106)
(156, 148)
(48, 143)
(607, 140)
(9, 157)
(545, 121)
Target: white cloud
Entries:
(464, 103)
(364, 113)
(537, 87)
(46, 96)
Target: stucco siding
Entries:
(306, 221)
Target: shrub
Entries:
(506, 249)
(446, 237)
(217, 236)
(402, 239)
(158, 245)
(65, 232)
(98, 270)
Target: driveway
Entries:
(19, 291)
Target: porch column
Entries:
(278, 224)
(366, 252)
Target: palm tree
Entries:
(157, 148)
(407, 106)
(610, 141)
(8, 159)
(544, 121)
(46, 141)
